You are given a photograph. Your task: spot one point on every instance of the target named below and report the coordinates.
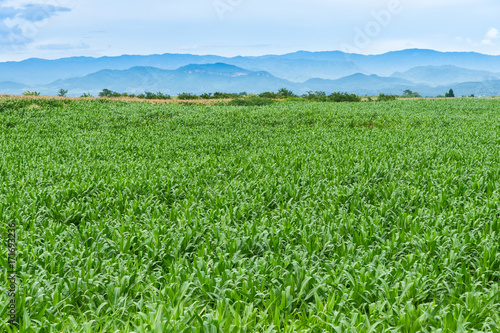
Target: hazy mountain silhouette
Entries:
(437, 75)
(298, 66)
(425, 71)
(192, 78)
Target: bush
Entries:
(285, 93)
(410, 94)
(221, 95)
(343, 97)
(281, 94)
(320, 96)
(317, 96)
(386, 98)
(86, 95)
(150, 95)
(108, 93)
(185, 96)
(269, 94)
(31, 93)
(206, 95)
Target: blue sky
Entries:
(62, 28)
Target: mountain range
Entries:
(427, 72)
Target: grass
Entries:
(292, 217)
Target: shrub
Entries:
(268, 94)
(158, 95)
(286, 93)
(108, 93)
(343, 97)
(320, 96)
(220, 95)
(206, 95)
(281, 94)
(31, 93)
(185, 96)
(410, 94)
(386, 98)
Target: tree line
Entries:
(281, 94)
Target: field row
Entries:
(310, 217)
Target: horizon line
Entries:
(247, 56)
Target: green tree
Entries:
(286, 93)
(62, 93)
(450, 94)
(108, 93)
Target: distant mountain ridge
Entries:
(437, 75)
(192, 78)
(426, 71)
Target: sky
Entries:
(52, 29)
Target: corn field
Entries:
(291, 217)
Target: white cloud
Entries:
(19, 24)
(492, 33)
(97, 28)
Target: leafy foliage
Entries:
(146, 95)
(221, 95)
(251, 101)
(31, 93)
(291, 217)
(109, 93)
(283, 93)
(62, 93)
(158, 95)
(186, 96)
(411, 94)
(386, 98)
(321, 96)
